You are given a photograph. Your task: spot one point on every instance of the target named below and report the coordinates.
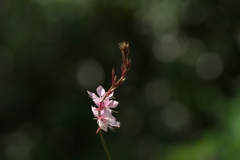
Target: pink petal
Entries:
(100, 91)
(92, 95)
(95, 112)
(115, 124)
(111, 119)
(106, 113)
(103, 125)
(97, 103)
(110, 95)
(105, 103)
(113, 104)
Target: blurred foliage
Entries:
(181, 100)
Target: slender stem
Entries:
(105, 145)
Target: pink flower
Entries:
(103, 112)
(105, 119)
(102, 101)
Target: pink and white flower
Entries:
(105, 119)
(101, 101)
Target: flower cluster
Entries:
(105, 104)
(104, 111)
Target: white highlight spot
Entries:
(90, 73)
(176, 116)
(209, 66)
(167, 49)
(157, 92)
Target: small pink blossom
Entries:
(101, 95)
(105, 119)
(101, 101)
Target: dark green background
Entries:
(181, 100)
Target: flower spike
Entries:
(103, 100)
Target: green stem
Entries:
(105, 145)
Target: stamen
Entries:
(114, 111)
(112, 128)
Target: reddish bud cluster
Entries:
(126, 64)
